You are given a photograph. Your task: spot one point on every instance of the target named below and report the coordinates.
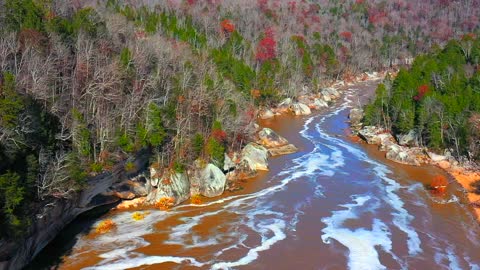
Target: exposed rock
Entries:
(319, 103)
(436, 158)
(405, 155)
(409, 139)
(172, 185)
(155, 176)
(137, 202)
(371, 134)
(332, 92)
(266, 114)
(256, 156)
(270, 139)
(386, 141)
(326, 97)
(129, 189)
(208, 181)
(55, 214)
(253, 158)
(300, 109)
(284, 106)
(356, 116)
(283, 150)
(228, 163)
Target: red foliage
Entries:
(227, 26)
(292, 6)
(219, 135)
(267, 47)
(347, 35)
(422, 90)
(376, 16)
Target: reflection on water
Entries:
(333, 205)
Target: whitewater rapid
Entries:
(361, 211)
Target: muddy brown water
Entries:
(335, 204)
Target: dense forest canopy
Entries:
(85, 85)
(438, 98)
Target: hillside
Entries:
(85, 86)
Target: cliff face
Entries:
(58, 213)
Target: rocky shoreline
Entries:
(154, 187)
(404, 149)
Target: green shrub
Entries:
(130, 167)
(198, 144)
(96, 167)
(216, 152)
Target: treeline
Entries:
(438, 98)
(85, 86)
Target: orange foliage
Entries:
(196, 199)
(165, 203)
(227, 26)
(105, 226)
(439, 184)
(255, 93)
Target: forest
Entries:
(438, 98)
(86, 85)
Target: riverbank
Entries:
(411, 155)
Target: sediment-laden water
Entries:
(333, 205)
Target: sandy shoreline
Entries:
(465, 178)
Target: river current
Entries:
(335, 204)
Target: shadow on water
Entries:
(51, 257)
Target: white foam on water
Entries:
(453, 259)
(401, 218)
(183, 235)
(141, 260)
(472, 265)
(361, 243)
(277, 228)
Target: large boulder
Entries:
(208, 180)
(266, 114)
(319, 103)
(270, 139)
(356, 116)
(371, 134)
(405, 155)
(228, 163)
(300, 109)
(386, 141)
(171, 185)
(326, 97)
(253, 158)
(256, 156)
(283, 150)
(409, 139)
(332, 92)
(436, 158)
(284, 106)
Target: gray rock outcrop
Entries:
(300, 109)
(172, 185)
(409, 139)
(356, 116)
(209, 181)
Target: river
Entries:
(335, 204)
